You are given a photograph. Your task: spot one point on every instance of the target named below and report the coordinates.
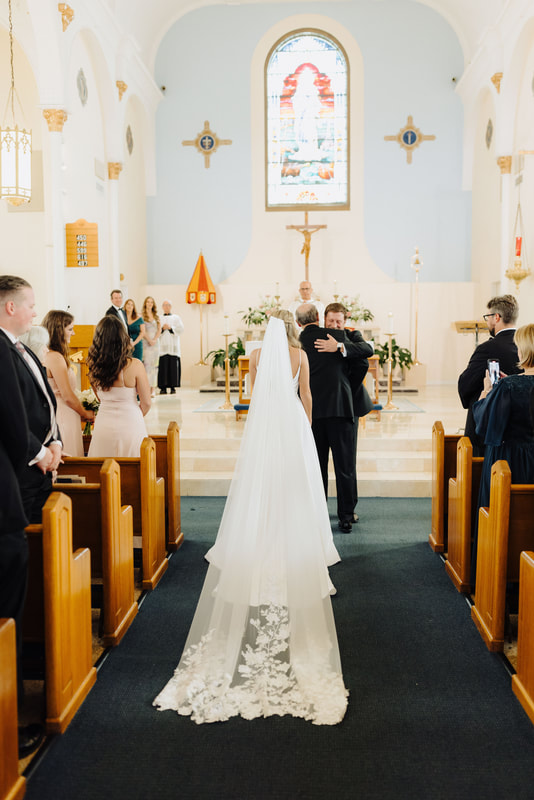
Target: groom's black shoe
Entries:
(344, 525)
(30, 737)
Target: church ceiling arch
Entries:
(149, 22)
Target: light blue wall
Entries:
(410, 56)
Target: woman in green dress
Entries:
(136, 328)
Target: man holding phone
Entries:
(501, 318)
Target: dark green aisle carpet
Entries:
(431, 712)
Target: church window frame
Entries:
(320, 179)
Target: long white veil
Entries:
(263, 638)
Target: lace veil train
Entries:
(263, 638)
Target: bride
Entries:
(263, 639)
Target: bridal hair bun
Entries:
(289, 321)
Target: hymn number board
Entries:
(82, 243)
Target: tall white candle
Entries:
(391, 329)
(226, 324)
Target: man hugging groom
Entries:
(333, 411)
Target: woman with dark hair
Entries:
(136, 328)
(117, 380)
(62, 378)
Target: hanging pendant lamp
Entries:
(15, 146)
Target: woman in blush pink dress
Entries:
(117, 380)
(62, 378)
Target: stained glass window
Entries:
(307, 154)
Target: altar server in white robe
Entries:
(169, 368)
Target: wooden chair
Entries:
(443, 468)
(168, 466)
(12, 786)
(505, 529)
(463, 507)
(106, 528)
(523, 681)
(58, 611)
(145, 493)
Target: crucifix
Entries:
(307, 231)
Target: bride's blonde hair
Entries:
(291, 329)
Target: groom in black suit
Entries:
(43, 453)
(332, 411)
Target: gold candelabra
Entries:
(227, 404)
(390, 405)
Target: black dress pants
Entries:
(337, 434)
(13, 583)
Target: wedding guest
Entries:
(151, 344)
(136, 328)
(116, 309)
(14, 443)
(43, 455)
(169, 370)
(37, 340)
(117, 380)
(62, 378)
(501, 319)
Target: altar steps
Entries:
(393, 467)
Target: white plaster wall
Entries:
(132, 207)
(85, 191)
(22, 232)
(486, 213)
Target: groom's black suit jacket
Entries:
(31, 479)
(14, 439)
(329, 379)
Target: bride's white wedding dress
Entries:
(263, 638)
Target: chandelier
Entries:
(15, 146)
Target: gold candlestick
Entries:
(227, 404)
(389, 405)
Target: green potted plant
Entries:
(218, 357)
(400, 356)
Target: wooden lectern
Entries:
(471, 326)
(81, 342)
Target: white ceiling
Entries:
(148, 20)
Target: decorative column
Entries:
(114, 170)
(505, 165)
(55, 223)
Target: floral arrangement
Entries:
(89, 400)
(356, 311)
(261, 314)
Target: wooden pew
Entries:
(58, 611)
(463, 508)
(145, 493)
(168, 466)
(12, 786)
(443, 467)
(505, 529)
(523, 681)
(101, 524)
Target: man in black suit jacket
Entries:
(357, 368)
(14, 444)
(116, 308)
(332, 411)
(43, 452)
(501, 319)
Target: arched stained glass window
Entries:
(307, 113)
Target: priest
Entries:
(169, 369)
